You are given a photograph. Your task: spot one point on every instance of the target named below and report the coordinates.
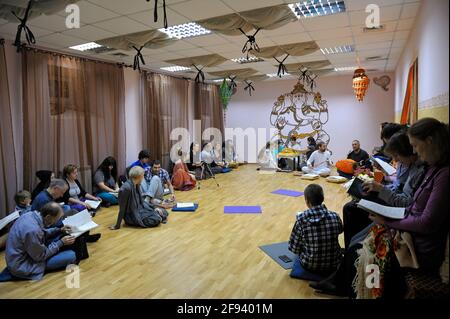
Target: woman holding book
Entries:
(426, 217)
(75, 196)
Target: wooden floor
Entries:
(207, 254)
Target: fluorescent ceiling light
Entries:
(316, 8)
(187, 30)
(175, 68)
(244, 60)
(274, 75)
(345, 68)
(86, 46)
(339, 49)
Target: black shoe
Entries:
(93, 238)
(327, 288)
(105, 204)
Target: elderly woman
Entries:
(132, 207)
(426, 216)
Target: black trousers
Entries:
(355, 220)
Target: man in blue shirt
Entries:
(143, 160)
(55, 191)
(28, 255)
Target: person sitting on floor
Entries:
(195, 164)
(28, 254)
(76, 196)
(105, 182)
(44, 181)
(357, 154)
(267, 158)
(132, 207)
(143, 161)
(400, 149)
(54, 192)
(153, 188)
(23, 201)
(207, 156)
(319, 162)
(426, 220)
(229, 154)
(312, 146)
(314, 237)
(182, 180)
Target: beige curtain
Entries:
(165, 106)
(74, 112)
(207, 107)
(8, 164)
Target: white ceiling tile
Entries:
(399, 43)
(290, 28)
(410, 10)
(89, 33)
(207, 40)
(334, 42)
(124, 7)
(230, 48)
(392, 13)
(291, 38)
(91, 13)
(405, 24)
(54, 23)
(331, 33)
(358, 5)
(401, 35)
(387, 27)
(371, 53)
(339, 20)
(375, 37)
(373, 46)
(201, 9)
(146, 17)
(121, 25)
(61, 40)
(245, 5)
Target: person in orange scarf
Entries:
(182, 180)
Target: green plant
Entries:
(225, 94)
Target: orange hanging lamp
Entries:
(360, 83)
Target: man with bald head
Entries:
(357, 154)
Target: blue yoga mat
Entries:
(242, 210)
(275, 251)
(287, 192)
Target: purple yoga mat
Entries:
(242, 210)
(287, 192)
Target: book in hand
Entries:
(385, 211)
(356, 190)
(80, 223)
(8, 219)
(93, 203)
(387, 169)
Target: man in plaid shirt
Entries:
(315, 234)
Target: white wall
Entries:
(429, 41)
(349, 119)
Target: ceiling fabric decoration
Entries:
(152, 39)
(23, 27)
(269, 18)
(293, 49)
(40, 7)
(240, 74)
(210, 60)
(314, 65)
(257, 78)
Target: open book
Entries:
(8, 219)
(80, 223)
(386, 211)
(356, 190)
(388, 169)
(185, 205)
(93, 203)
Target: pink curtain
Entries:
(8, 169)
(74, 113)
